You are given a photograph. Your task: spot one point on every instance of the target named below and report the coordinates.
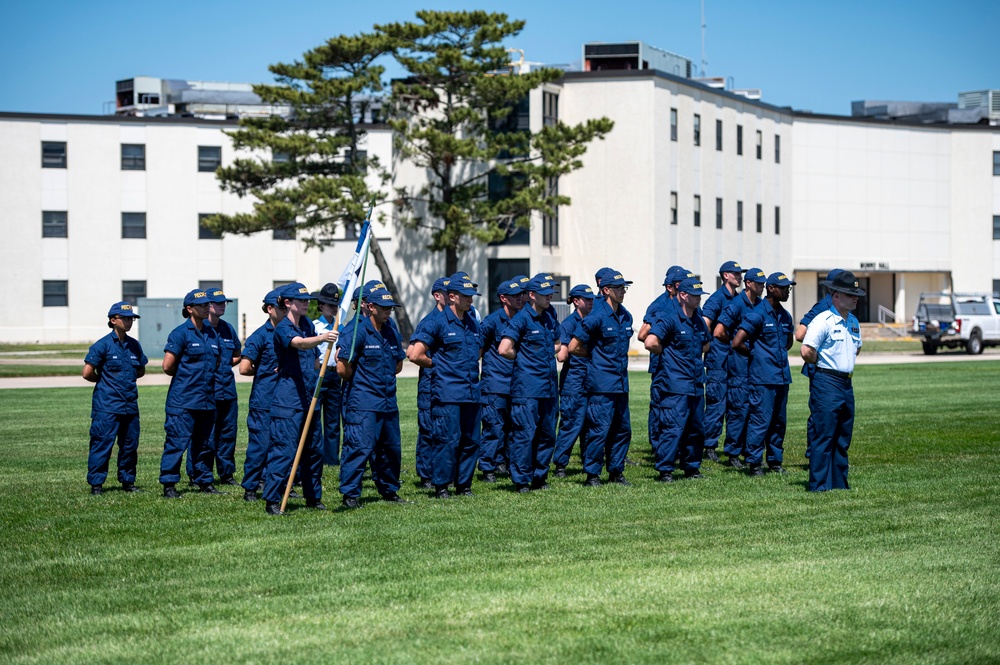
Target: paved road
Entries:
(638, 364)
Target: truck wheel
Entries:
(975, 344)
(930, 348)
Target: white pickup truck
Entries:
(967, 320)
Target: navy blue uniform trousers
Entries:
(831, 401)
(370, 436)
(455, 442)
(608, 433)
(497, 427)
(259, 428)
(222, 440)
(533, 439)
(682, 419)
(284, 443)
(737, 413)
(572, 416)
(766, 424)
(716, 394)
(189, 430)
(425, 465)
(331, 397)
(105, 428)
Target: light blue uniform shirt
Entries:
(835, 339)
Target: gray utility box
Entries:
(161, 315)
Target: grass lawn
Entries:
(903, 568)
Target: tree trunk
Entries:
(402, 318)
(451, 261)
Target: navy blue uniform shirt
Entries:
(534, 338)
(573, 376)
(229, 346)
(767, 337)
(193, 385)
(731, 318)
(116, 363)
(297, 371)
(662, 304)
(375, 355)
(497, 370)
(454, 347)
(606, 335)
(712, 310)
(425, 373)
(681, 370)
(259, 350)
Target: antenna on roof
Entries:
(704, 62)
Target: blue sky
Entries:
(65, 56)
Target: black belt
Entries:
(842, 375)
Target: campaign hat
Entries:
(845, 282)
(328, 295)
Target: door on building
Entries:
(864, 303)
(500, 270)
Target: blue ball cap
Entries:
(691, 286)
(440, 284)
(122, 309)
(541, 285)
(779, 279)
(356, 294)
(377, 294)
(731, 266)
(296, 291)
(610, 277)
(582, 291)
(510, 287)
(755, 275)
(460, 282)
(273, 297)
(197, 297)
(677, 274)
(216, 295)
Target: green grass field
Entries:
(903, 568)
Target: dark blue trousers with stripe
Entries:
(831, 401)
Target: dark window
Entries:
(133, 225)
(739, 215)
(279, 157)
(500, 270)
(697, 210)
(697, 129)
(55, 293)
(278, 283)
(777, 220)
(54, 224)
(205, 233)
(359, 161)
(53, 154)
(718, 135)
(673, 208)
(996, 292)
(760, 218)
(550, 109)
(215, 285)
(132, 290)
(760, 144)
(501, 187)
(133, 157)
(777, 149)
(739, 139)
(283, 234)
(209, 158)
(550, 223)
(996, 227)
(673, 125)
(718, 213)
(996, 163)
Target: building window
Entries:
(673, 127)
(996, 227)
(53, 154)
(739, 139)
(133, 157)
(209, 158)
(777, 149)
(996, 163)
(550, 109)
(760, 218)
(697, 210)
(132, 290)
(278, 283)
(205, 233)
(133, 225)
(216, 285)
(739, 215)
(697, 129)
(996, 292)
(673, 208)
(718, 135)
(777, 220)
(287, 233)
(54, 223)
(760, 145)
(718, 213)
(550, 223)
(55, 293)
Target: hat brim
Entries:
(849, 291)
(694, 293)
(465, 292)
(547, 291)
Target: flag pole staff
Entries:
(319, 384)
